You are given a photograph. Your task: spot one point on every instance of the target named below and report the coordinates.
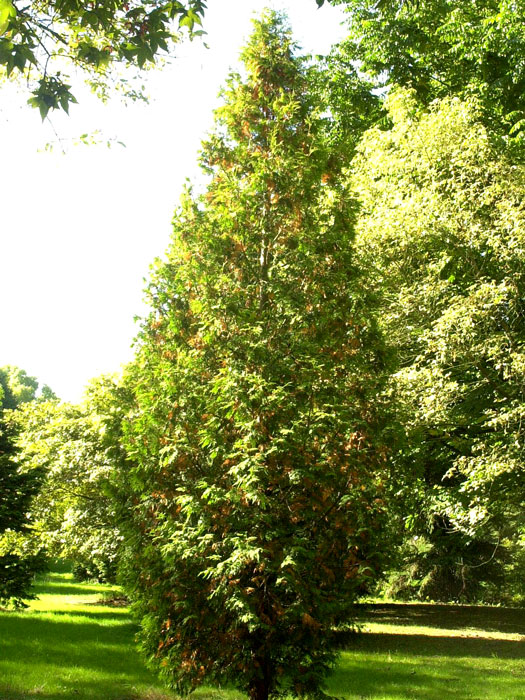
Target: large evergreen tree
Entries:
(255, 504)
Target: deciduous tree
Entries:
(442, 226)
(76, 450)
(444, 47)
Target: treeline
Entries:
(327, 398)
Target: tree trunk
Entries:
(259, 689)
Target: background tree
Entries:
(442, 227)
(255, 504)
(445, 47)
(42, 42)
(76, 449)
(19, 559)
(354, 105)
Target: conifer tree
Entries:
(255, 501)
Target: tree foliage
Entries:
(255, 503)
(42, 42)
(442, 225)
(19, 560)
(76, 449)
(444, 47)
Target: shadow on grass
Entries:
(89, 655)
(81, 616)
(423, 645)
(416, 678)
(9, 693)
(508, 620)
(76, 654)
(410, 666)
(66, 643)
(92, 656)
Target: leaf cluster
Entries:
(443, 47)
(19, 559)
(76, 449)
(42, 41)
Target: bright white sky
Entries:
(79, 231)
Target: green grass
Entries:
(434, 652)
(68, 646)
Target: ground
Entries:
(73, 643)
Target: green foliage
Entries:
(449, 565)
(255, 504)
(354, 106)
(18, 566)
(19, 559)
(16, 387)
(445, 47)
(442, 224)
(77, 449)
(17, 487)
(39, 41)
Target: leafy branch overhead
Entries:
(445, 47)
(43, 41)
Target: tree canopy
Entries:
(442, 227)
(445, 47)
(75, 449)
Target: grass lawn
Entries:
(434, 652)
(68, 646)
